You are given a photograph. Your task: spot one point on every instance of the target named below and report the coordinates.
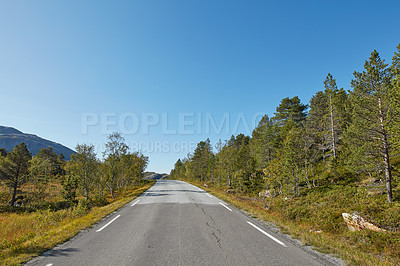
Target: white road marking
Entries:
(225, 206)
(146, 193)
(50, 264)
(108, 223)
(209, 195)
(265, 233)
(135, 203)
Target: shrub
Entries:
(100, 201)
(81, 208)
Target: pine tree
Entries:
(327, 120)
(290, 109)
(200, 161)
(14, 168)
(369, 105)
(394, 126)
(263, 143)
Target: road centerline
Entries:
(265, 233)
(108, 223)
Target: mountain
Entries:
(153, 175)
(10, 137)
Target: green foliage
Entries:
(367, 138)
(264, 142)
(82, 208)
(290, 109)
(70, 185)
(115, 148)
(35, 182)
(14, 168)
(99, 201)
(344, 138)
(83, 167)
(199, 165)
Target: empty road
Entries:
(175, 223)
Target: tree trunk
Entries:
(385, 149)
(111, 187)
(332, 127)
(14, 193)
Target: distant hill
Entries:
(10, 137)
(153, 175)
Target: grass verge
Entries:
(315, 227)
(27, 235)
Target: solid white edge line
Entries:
(265, 233)
(108, 223)
(135, 203)
(225, 206)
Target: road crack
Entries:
(215, 232)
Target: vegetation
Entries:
(46, 200)
(310, 163)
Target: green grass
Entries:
(315, 219)
(28, 234)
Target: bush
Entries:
(100, 201)
(5, 197)
(81, 208)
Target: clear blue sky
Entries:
(63, 61)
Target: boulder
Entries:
(356, 222)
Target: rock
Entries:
(315, 231)
(230, 191)
(374, 192)
(264, 194)
(371, 182)
(205, 185)
(357, 223)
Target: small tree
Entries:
(14, 168)
(84, 167)
(115, 148)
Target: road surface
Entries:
(175, 223)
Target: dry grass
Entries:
(26, 235)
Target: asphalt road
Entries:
(175, 223)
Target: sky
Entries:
(170, 73)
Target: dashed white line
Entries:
(108, 223)
(50, 264)
(265, 233)
(209, 195)
(225, 206)
(135, 203)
